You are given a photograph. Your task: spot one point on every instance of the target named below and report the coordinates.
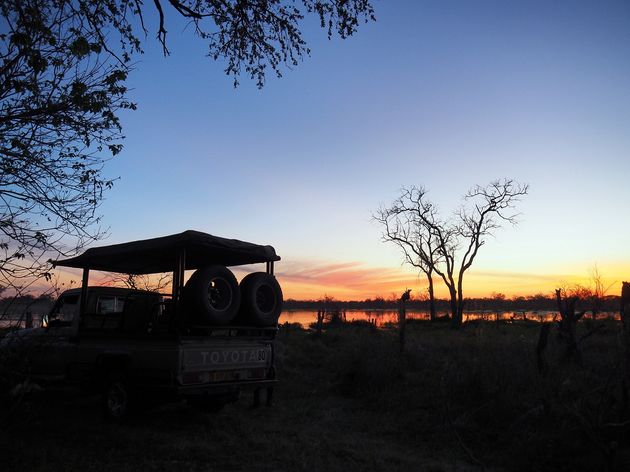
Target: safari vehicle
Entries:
(207, 341)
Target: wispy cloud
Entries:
(343, 280)
(355, 280)
(520, 276)
(351, 280)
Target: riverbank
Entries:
(349, 400)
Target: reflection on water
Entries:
(382, 317)
(379, 317)
(23, 321)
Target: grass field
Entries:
(348, 400)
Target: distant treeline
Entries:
(20, 305)
(537, 302)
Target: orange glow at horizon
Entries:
(356, 281)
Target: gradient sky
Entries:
(445, 94)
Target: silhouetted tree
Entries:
(255, 34)
(597, 292)
(63, 67)
(411, 222)
(151, 282)
(449, 248)
(58, 98)
(487, 207)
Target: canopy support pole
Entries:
(84, 291)
(178, 282)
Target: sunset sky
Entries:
(445, 94)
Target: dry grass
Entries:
(349, 401)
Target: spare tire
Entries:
(212, 295)
(261, 299)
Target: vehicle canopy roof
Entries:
(150, 256)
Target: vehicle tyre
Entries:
(117, 400)
(213, 295)
(261, 302)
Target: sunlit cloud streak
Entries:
(356, 281)
(348, 280)
(311, 279)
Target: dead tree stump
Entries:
(320, 321)
(625, 326)
(568, 324)
(402, 317)
(625, 311)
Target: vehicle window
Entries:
(107, 315)
(107, 305)
(66, 308)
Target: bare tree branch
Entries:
(63, 68)
(432, 244)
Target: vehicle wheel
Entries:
(116, 400)
(261, 299)
(213, 294)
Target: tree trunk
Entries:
(431, 299)
(460, 299)
(456, 320)
(457, 305)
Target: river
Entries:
(382, 317)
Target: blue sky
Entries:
(445, 94)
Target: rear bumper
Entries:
(182, 391)
(224, 387)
